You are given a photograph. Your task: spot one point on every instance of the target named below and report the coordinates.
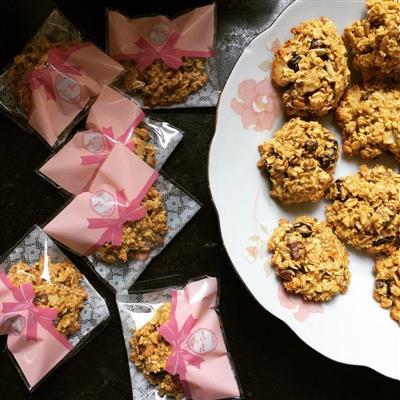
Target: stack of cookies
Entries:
(312, 71)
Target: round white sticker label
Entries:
(94, 142)
(103, 203)
(202, 341)
(68, 89)
(159, 33)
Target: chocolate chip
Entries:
(304, 229)
(285, 275)
(294, 62)
(317, 44)
(296, 249)
(384, 240)
(324, 57)
(326, 161)
(310, 146)
(375, 23)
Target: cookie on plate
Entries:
(309, 259)
(375, 40)
(312, 68)
(365, 212)
(299, 161)
(150, 352)
(56, 285)
(387, 284)
(370, 118)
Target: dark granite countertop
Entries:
(272, 362)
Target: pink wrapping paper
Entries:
(62, 90)
(145, 39)
(112, 199)
(112, 119)
(37, 347)
(199, 353)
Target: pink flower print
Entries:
(258, 104)
(251, 253)
(302, 309)
(274, 46)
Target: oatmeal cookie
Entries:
(143, 149)
(375, 40)
(161, 85)
(365, 212)
(370, 118)
(56, 285)
(150, 352)
(139, 237)
(299, 161)
(312, 69)
(33, 56)
(309, 259)
(387, 285)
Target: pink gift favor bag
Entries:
(97, 215)
(33, 341)
(68, 75)
(199, 356)
(112, 119)
(147, 39)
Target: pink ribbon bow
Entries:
(36, 315)
(168, 53)
(24, 296)
(110, 141)
(132, 211)
(56, 60)
(180, 357)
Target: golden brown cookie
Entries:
(370, 118)
(309, 259)
(365, 210)
(299, 161)
(33, 56)
(143, 149)
(312, 69)
(140, 237)
(161, 85)
(57, 286)
(150, 352)
(375, 40)
(387, 285)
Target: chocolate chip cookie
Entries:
(370, 118)
(312, 69)
(365, 210)
(150, 352)
(309, 259)
(299, 161)
(375, 40)
(387, 284)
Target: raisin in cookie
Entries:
(387, 285)
(312, 69)
(150, 352)
(375, 40)
(365, 212)
(161, 85)
(309, 259)
(299, 161)
(139, 237)
(56, 285)
(370, 118)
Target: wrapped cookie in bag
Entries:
(168, 62)
(125, 218)
(48, 309)
(113, 118)
(175, 343)
(52, 82)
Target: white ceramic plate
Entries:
(352, 328)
